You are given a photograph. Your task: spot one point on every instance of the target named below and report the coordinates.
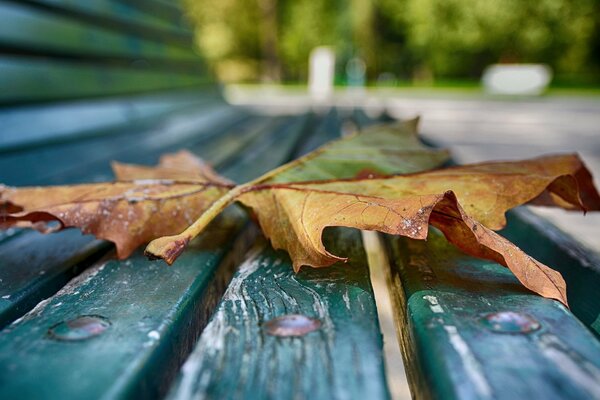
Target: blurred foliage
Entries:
(268, 40)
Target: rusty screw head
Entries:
(80, 328)
(510, 322)
(291, 325)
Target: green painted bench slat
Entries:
(236, 357)
(42, 125)
(579, 266)
(470, 330)
(35, 266)
(44, 164)
(122, 16)
(168, 11)
(156, 313)
(27, 79)
(28, 30)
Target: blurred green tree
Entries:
(413, 39)
(460, 37)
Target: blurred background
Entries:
(445, 43)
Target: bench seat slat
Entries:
(42, 125)
(457, 346)
(236, 358)
(579, 266)
(141, 143)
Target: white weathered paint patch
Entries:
(434, 304)
(154, 335)
(346, 298)
(573, 365)
(472, 366)
(213, 337)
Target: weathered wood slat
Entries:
(45, 124)
(469, 330)
(236, 358)
(35, 266)
(168, 11)
(155, 314)
(33, 31)
(120, 16)
(26, 79)
(579, 266)
(60, 163)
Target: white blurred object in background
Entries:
(516, 79)
(321, 73)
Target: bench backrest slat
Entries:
(60, 49)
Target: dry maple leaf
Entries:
(463, 202)
(145, 202)
(150, 202)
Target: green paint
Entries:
(236, 358)
(579, 266)
(53, 33)
(131, 16)
(451, 350)
(153, 310)
(26, 80)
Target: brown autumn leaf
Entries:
(150, 202)
(145, 202)
(464, 202)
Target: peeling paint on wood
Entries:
(450, 353)
(236, 358)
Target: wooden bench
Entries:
(84, 83)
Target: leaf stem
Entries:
(169, 248)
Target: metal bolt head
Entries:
(80, 328)
(510, 322)
(291, 325)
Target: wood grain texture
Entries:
(236, 358)
(442, 297)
